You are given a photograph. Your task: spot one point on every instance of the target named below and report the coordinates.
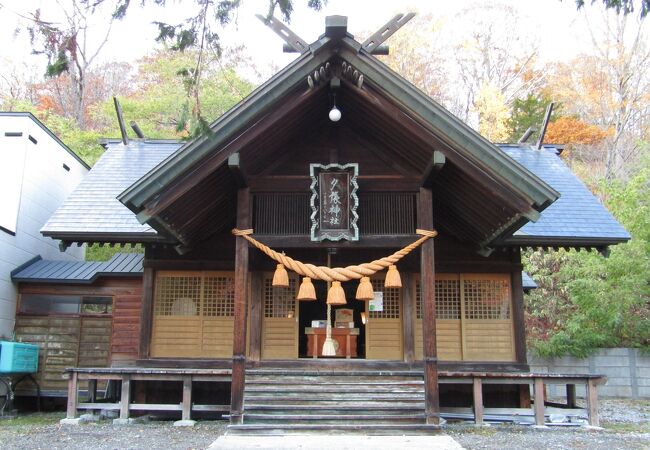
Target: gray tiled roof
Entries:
(577, 215)
(93, 209)
(72, 272)
(527, 282)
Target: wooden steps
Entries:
(298, 401)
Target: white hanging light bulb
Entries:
(335, 113)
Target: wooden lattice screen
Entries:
(279, 301)
(447, 299)
(487, 299)
(193, 314)
(392, 301)
(473, 317)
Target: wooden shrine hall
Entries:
(339, 250)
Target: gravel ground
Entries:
(626, 426)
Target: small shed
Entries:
(81, 314)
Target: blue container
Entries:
(16, 357)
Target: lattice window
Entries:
(447, 300)
(279, 301)
(219, 296)
(392, 301)
(487, 299)
(177, 295)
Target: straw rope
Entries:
(335, 273)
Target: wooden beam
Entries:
(428, 293)
(187, 398)
(304, 241)
(288, 36)
(478, 401)
(234, 164)
(239, 334)
(408, 317)
(72, 395)
(255, 332)
(539, 401)
(592, 403)
(146, 312)
(120, 121)
(380, 36)
(518, 317)
(436, 164)
(125, 398)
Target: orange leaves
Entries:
(571, 130)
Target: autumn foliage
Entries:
(571, 130)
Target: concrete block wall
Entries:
(627, 371)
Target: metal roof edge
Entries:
(47, 130)
(559, 241)
(114, 237)
(25, 265)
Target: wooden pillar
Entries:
(428, 293)
(408, 317)
(571, 395)
(518, 319)
(539, 401)
(592, 403)
(478, 401)
(257, 309)
(186, 411)
(146, 313)
(239, 335)
(72, 395)
(125, 398)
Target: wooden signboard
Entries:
(334, 202)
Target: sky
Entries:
(561, 29)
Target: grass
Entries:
(34, 419)
(641, 427)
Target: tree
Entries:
(584, 300)
(611, 89)
(495, 57)
(529, 112)
(621, 6)
(199, 31)
(418, 53)
(69, 51)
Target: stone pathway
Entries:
(345, 442)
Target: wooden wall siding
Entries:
(380, 213)
(384, 337)
(483, 329)
(279, 332)
(193, 314)
(65, 342)
(125, 341)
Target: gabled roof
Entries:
(38, 270)
(92, 211)
(576, 218)
(46, 130)
(500, 194)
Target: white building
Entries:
(37, 172)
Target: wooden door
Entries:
(384, 336)
(280, 320)
(448, 318)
